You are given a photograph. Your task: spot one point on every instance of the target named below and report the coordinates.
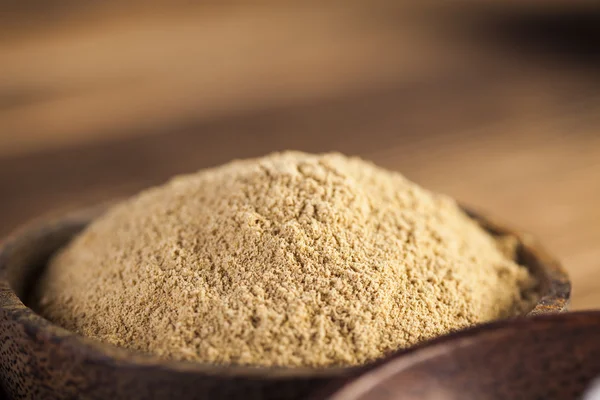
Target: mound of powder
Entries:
(291, 260)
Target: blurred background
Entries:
(495, 103)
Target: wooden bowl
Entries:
(41, 360)
(545, 357)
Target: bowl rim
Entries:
(398, 362)
(554, 299)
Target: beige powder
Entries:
(291, 259)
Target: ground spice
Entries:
(291, 260)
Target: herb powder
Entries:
(287, 260)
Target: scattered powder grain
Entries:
(291, 259)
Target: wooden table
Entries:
(499, 109)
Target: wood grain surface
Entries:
(497, 106)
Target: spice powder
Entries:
(287, 260)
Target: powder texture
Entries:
(290, 260)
